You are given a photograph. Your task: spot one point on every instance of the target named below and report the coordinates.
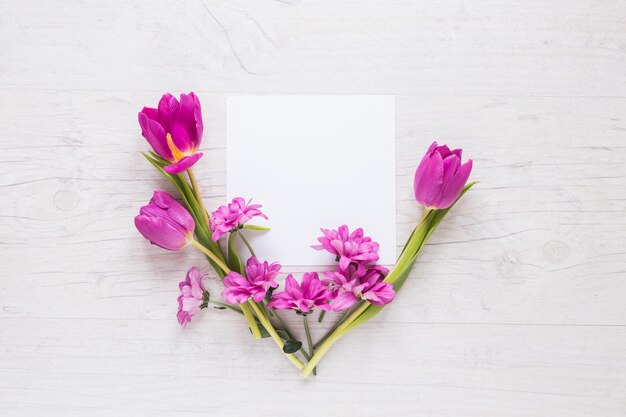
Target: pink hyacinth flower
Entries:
(258, 280)
(440, 177)
(174, 130)
(349, 247)
(165, 222)
(303, 297)
(193, 296)
(233, 216)
(352, 285)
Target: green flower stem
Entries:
(254, 328)
(245, 241)
(284, 327)
(428, 223)
(196, 193)
(404, 261)
(226, 306)
(320, 318)
(308, 338)
(334, 336)
(211, 255)
(332, 329)
(277, 339)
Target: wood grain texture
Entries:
(515, 308)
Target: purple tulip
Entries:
(303, 297)
(349, 248)
(258, 280)
(174, 130)
(165, 222)
(193, 296)
(440, 177)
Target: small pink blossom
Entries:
(352, 285)
(258, 280)
(193, 296)
(349, 248)
(303, 297)
(233, 216)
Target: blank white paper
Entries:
(314, 161)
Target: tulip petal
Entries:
(187, 119)
(175, 211)
(429, 179)
(154, 134)
(451, 164)
(197, 112)
(151, 113)
(183, 165)
(167, 105)
(455, 184)
(160, 232)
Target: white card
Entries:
(312, 162)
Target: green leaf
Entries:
(405, 263)
(255, 227)
(162, 161)
(203, 234)
(234, 261)
(283, 334)
(264, 333)
(292, 346)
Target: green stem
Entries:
(284, 327)
(277, 339)
(321, 316)
(245, 241)
(332, 329)
(227, 306)
(196, 193)
(308, 338)
(254, 328)
(210, 254)
(332, 339)
(399, 273)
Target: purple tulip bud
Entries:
(440, 177)
(174, 130)
(165, 223)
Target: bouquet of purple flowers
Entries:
(358, 287)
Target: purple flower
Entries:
(193, 296)
(440, 177)
(174, 130)
(165, 223)
(352, 285)
(258, 280)
(348, 247)
(232, 216)
(305, 297)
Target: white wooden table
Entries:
(516, 307)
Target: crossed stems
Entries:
(245, 308)
(316, 351)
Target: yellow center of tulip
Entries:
(176, 153)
